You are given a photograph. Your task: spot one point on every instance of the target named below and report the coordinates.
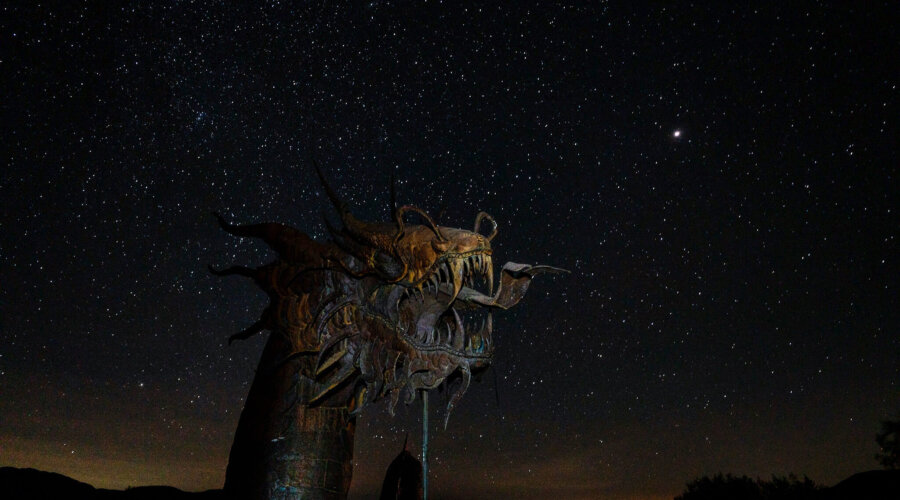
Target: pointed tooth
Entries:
(457, 273)
(395, 398)
(454, 400)
(459, 340)
(460, 329)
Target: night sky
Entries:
(722, 182)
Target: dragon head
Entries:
(384, 308)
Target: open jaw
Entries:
(443, 324)
(433, 316)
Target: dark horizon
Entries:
(722, 183)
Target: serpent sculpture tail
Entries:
(382, 310)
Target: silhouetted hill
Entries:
(871, 485)
(31, 484)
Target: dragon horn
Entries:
(360, 230)
(339, 205)
(393, 207)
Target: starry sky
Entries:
(721, 181)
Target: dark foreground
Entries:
(31, 484)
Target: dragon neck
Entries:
(283, 447)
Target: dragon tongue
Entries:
(514, 281)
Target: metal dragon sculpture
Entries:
(382, 310)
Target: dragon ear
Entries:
(484, 215)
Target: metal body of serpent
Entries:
(382, 310)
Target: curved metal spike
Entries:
(321, 365)
(410, 393)
(395, 398)
(292, 356)
(339, 205)
(414, 366)
(328, 313)
(359, 400)
(346, 371)
(467, 379)
(222, 222)
(239, 270)
(248, 332)
(479, 218)
(398, 218)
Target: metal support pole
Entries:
(425, 445)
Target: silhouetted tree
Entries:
(719, 486)
(790, 487)
(890, 446)
(729, 487)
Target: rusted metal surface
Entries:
(380, 311)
